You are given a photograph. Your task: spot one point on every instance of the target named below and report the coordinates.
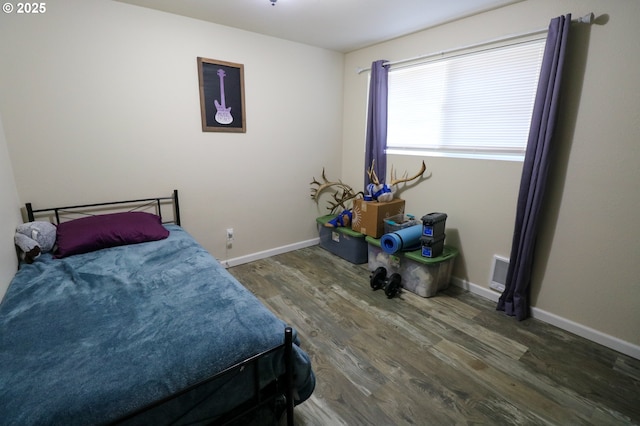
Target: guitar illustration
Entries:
(223, 114)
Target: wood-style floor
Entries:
(449, 359)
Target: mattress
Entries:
(89, 338)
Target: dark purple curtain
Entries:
(514, 301)
(376, 141)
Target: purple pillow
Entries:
(108, 230)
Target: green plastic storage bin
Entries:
(424, 276)
(342, 241)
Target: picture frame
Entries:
(221, 96)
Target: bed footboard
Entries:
(277, 393)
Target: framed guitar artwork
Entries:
(221, 96)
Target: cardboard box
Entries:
(369, 216)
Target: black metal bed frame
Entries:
(157, 200)
(259, 398)
(282, 386)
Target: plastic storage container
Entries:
(433, 224)
(426, 276)
(342, 241)
(398, 222)
(420, 275)
(432, 246)
(377, 257)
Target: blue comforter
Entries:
(88, 338)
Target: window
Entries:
(477, 104)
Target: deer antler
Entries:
(325, 184)
(372, 174)
(339, 197)
(395, 181)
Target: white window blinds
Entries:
(476, 104)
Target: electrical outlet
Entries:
(229, 238)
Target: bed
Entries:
(151, 332)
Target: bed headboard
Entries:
(144, 203)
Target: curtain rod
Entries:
(586, 19)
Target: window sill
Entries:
(451, 154)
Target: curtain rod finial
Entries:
(587, 19)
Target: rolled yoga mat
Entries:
(402, 240)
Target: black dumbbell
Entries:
(391, 285)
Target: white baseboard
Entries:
(268, 253)
(607, 340)
(603, 339)
(476, 289)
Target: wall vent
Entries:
(499, 270)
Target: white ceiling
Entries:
(341, 25)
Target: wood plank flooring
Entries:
(449, 359)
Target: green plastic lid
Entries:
(448, 252)
(373, 241)
(346, 230)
